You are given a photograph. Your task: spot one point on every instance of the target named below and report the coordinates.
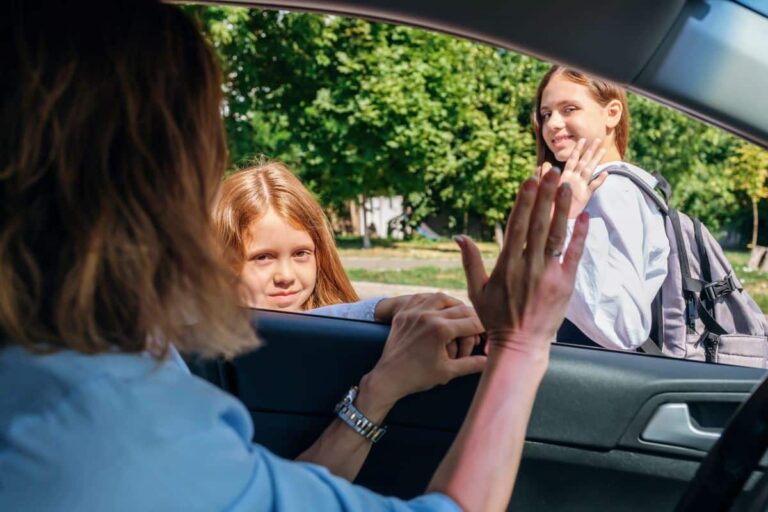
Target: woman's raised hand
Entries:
(523, 302)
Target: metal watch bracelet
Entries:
(352, 416)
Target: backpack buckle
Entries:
(710, 342)
(714, 291)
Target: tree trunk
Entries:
(758, 258)
(498, 233)
(757, 255)
(755, 220)
(354, 217)
(366, 238)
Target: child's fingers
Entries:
(599, 154)
(595, 184)
(585, 164)
(554, 170)
(588, 153)
(573, 159)
(590, 168)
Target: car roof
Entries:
(705, 57)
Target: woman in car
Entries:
(625, 257)
(111, 153)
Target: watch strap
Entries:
(351, 415)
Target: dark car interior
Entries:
(590, 444)
(609, 431)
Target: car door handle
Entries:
(671, 424)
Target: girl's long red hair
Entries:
(247, 194)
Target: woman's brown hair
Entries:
(112, 148)
(247, 195)
(602, 91)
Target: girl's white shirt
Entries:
(624, 263)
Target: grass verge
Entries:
(756, 283)
(451, 278)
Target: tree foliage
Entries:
(748, 171)
(357, 107)
(693, 156)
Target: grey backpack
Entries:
(702, 311)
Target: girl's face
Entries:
(280, 270)
(570, 112)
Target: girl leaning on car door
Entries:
(279, 244)
(112, 148)
(625, 256)
(280, 248)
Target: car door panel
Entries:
(584, 448)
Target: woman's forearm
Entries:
(480, 468)
(339, 448)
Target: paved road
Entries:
(403, 263)
(367, 290)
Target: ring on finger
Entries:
(554, 253)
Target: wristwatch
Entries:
(352, 416)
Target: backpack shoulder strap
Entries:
(706, 268)
(646, 189)
(655, 343)
(662, 185)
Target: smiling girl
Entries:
(279, 243)
(278, 240)
(625, 257)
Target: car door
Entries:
(609, 430)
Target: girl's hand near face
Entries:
(578, 172)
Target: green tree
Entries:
(690, 154)
(367, 108)
(360, 108)
(748, 170)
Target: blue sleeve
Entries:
(164, 440)
(361, 310)
(303, 486)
